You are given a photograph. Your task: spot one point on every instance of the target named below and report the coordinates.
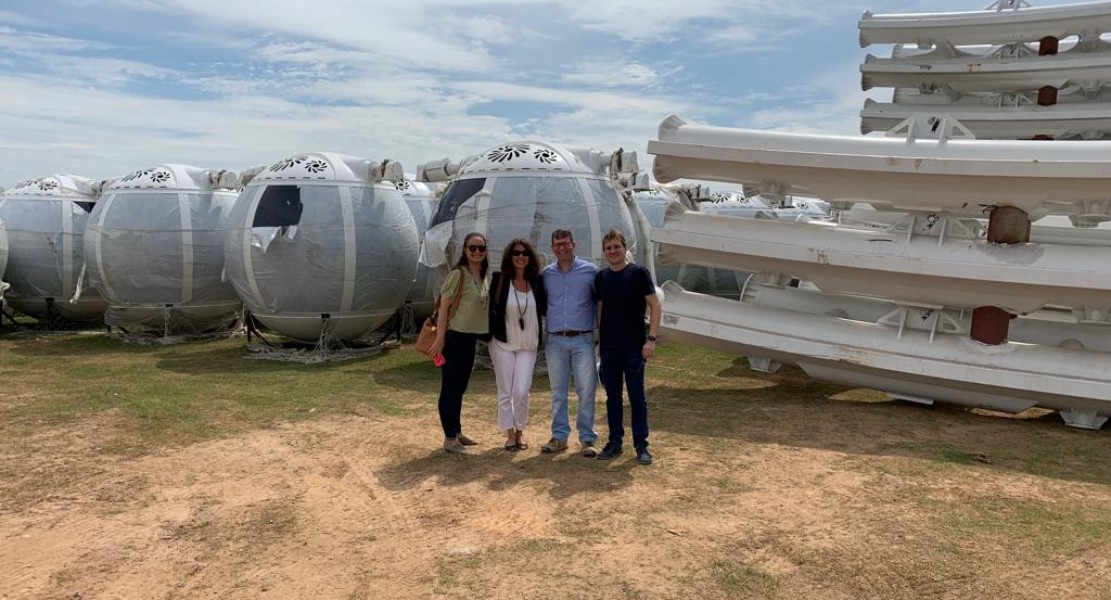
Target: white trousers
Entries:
(513, 373)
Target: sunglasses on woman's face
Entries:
(516, 253)
(476, 248)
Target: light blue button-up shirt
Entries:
(571, 300)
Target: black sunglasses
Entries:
(518, 253)
(476, 248)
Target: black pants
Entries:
(459, 349)
(625, 365)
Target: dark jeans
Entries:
(625, 365)
(458, 354)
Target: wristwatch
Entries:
(651, 338)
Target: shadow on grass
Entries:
(417, 374)
(566, 473)
(237, 359)
(793, 410)
(60, 345)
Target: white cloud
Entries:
(616, 73)
(22, 42)
(399, 32)
(824, 105)
(14, 18)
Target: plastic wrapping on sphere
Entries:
(157, 257)
(293, 267)
(46, 257)
(507, 207)
(3, 252)
(422, 204)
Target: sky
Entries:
(101, 88)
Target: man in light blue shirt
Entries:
(572, 311)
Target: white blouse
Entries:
(520, 305)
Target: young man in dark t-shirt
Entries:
(625, 290)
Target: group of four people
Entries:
(569, 300)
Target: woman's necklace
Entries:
(477, 286)
(521, 311)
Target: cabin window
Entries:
(280, 206)
(457, 193)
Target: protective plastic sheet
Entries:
(157, 257)
(46, 257)
(422, 205)
(504, 207)
(3, 259)
(344, 272)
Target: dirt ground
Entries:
(749, 498)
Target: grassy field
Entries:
(187, 471)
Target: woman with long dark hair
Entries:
(457, 334)
(517, 305)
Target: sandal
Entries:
(521, 444)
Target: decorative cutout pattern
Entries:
(137, 174)
(315, 166)
(507, 152)
(287, 163)
(48, 185)
(403, 185)
(545, 155)
(160, 176)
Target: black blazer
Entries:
(498, 302)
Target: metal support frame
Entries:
(1083, 419)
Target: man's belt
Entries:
(569, 333)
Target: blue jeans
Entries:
(565, 354)
(625, 364)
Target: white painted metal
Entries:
(1044, 327)
(927, 268)
(1052, 229)
(950, 368)
(958, 176)
(945, 102)
(1060, 121)
(989, 73)
(987, 26)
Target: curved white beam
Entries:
(912, 269)
(949, 368)
(989, 73)
(914, 175)
(1088, 121)
(986, 26)
(1047, 327)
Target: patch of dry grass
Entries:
(766, 486)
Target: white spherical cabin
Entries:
(529, 189)
(421, 200)
(319, 245)
(154, 248)
(45, 221)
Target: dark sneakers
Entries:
(610, 451)
(643, 457)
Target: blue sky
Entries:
(102, 88)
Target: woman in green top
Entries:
(457, 335)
